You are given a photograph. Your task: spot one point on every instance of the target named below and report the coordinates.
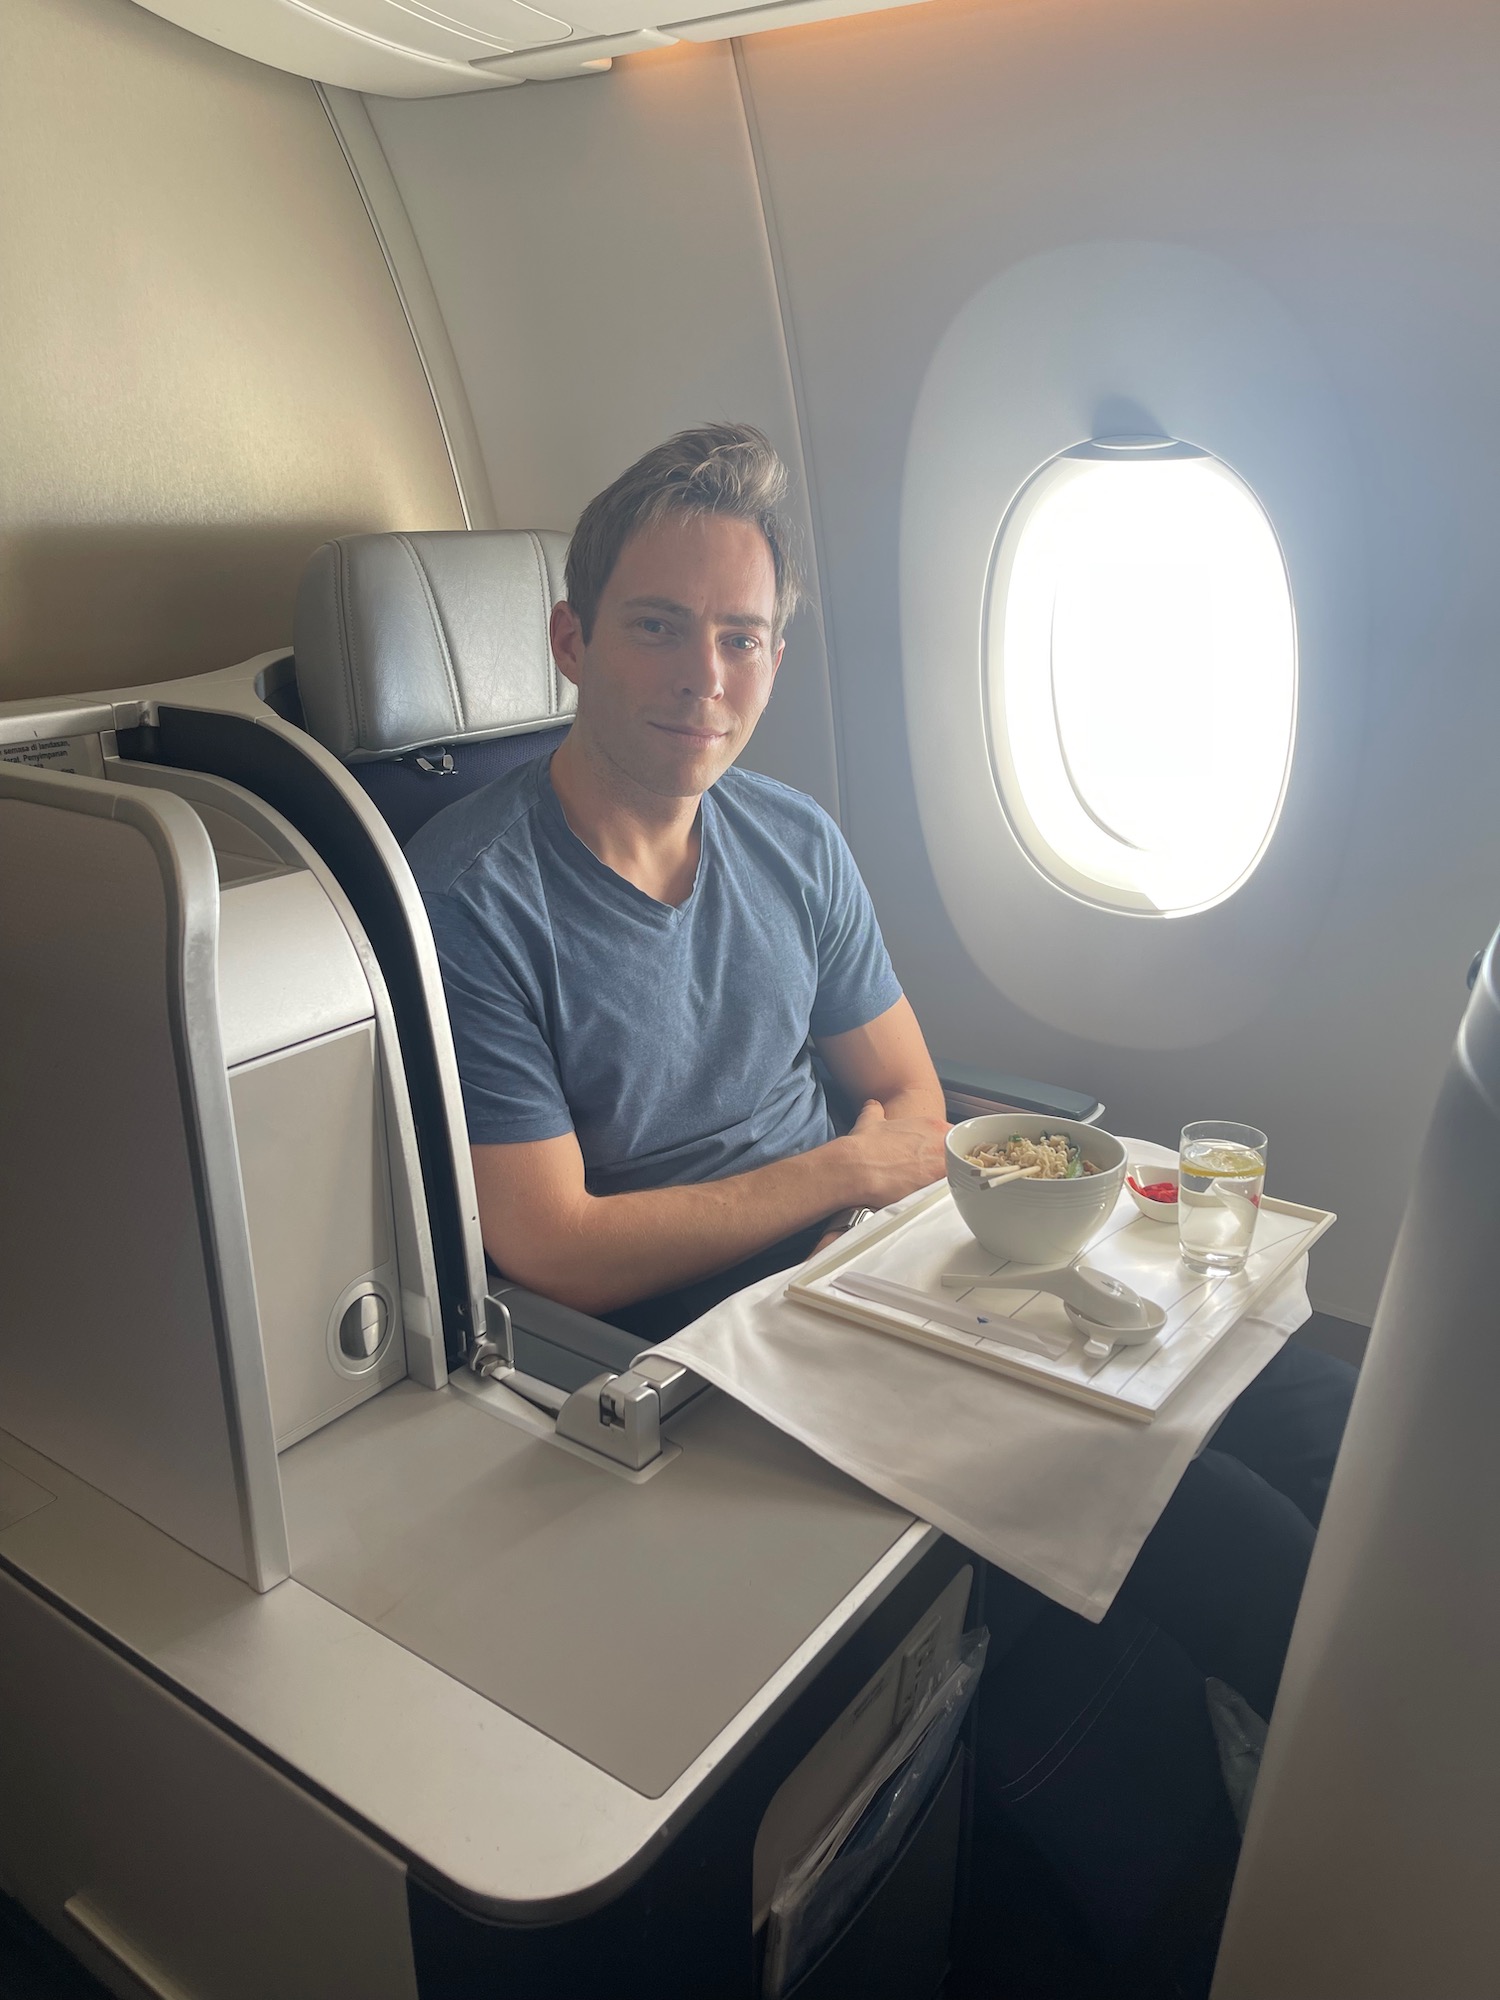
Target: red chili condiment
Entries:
(1157, 1190)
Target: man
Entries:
(641, 945)
(638, 943)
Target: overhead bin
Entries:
(406, 48)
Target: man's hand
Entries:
(893, 1157)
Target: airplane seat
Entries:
(1377, 1790)
(258, 829)
(413, 652)
(423, 661)
(593, 1711)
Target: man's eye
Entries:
(655, 627)
(744, 642)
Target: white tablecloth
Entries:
(1059, 1494)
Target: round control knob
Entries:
(362, 1327)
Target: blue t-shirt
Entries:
(674, 1042)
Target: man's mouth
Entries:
(689, 734)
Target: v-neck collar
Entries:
(588, 860)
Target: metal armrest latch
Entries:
(621, 1416)
(491, 1353)
(618, 1414)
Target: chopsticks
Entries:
(997, 1176)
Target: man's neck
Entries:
(653, 842)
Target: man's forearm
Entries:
(597, 1252)
(614, 1249)
(920, 1101)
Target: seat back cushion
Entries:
(423, 661)
(403, 642)
(408, 795)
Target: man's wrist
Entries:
(847, 1184)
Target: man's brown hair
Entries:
(728, 469)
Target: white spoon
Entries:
(1107, 1312)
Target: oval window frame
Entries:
(1054, 348)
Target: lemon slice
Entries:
(1223, 1163)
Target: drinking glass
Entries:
(1223, 1169)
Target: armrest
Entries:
(561, 1346)
(580, 1371)
(973, 1090)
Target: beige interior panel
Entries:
(637, 297)
(188, 1859)
(130, 1347)
(204, 366)
(20, 1496)
(288, 971)
(318, 1195)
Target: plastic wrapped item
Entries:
(819, 1891)
(1241, 1738)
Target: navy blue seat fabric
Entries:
(408, 796)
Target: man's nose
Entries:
(702, 670)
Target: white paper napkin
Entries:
(1059, 1494)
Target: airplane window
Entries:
(1142, 674)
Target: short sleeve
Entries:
(856, 982)
(511, 1088)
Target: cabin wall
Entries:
(204, 365)
(602, 262)
(594, 247)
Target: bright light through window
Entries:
(1143, 675)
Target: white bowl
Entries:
(1035, 1222)
(1146, 1174)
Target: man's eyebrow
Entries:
(656, 604)
(669, 604)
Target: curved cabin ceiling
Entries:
(435, 48)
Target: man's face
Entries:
(682, 657)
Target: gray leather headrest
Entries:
(403, 641)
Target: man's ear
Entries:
(566, 633)
(776, 663)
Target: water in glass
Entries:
(1223, 1170)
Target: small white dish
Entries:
(1141, 1174)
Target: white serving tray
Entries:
(916, 1247)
